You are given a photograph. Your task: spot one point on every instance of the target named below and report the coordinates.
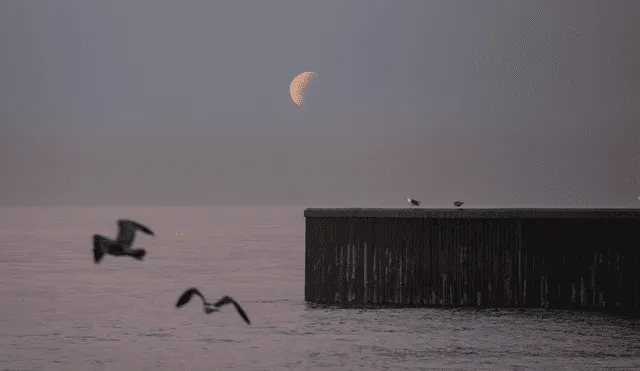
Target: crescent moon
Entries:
(299, 85)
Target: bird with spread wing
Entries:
(122, 246)
(211, 307)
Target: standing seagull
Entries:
(122, 245)
(413, 202)
(458, 203)
(211, 307)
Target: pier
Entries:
(585, 259)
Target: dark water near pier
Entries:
(59, 311)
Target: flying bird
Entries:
(211, 307)
(413, 202)
(122, 245)
(458, 203)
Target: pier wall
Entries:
(534, 258)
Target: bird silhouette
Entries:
(413, 202)
(458, 203)
(211, 307)
(123, 242)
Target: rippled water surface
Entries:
(59, 311)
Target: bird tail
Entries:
(98, 251)
(138, 253)
(97, 254)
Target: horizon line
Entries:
(327, 206)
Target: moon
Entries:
(298, 86)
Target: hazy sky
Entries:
(187, 102)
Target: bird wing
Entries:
(100, 245)
(186, 296)
(228, 300)
(127, 232)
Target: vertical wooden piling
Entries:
(556, 258)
